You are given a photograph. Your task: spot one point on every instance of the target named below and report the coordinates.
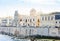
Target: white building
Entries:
(57, 18)
(35, 19)
(8, 21)
(47, 20)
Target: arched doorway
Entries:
(38, 23)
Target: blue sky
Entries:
(7, 7)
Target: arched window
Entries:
(56, 21)
(38, 20)
(28, 25)
(26, 20)
(20, 19)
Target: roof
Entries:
(55, 13)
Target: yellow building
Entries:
(37, 21)
(37, 17)
(32, 20)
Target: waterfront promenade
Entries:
(37, 34)
(26, 31)
(30, 31)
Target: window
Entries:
(57, 17)
(56, 21)
(38, 20)
(48, 18)
(59, 21)
(33, 19)
(26, 20)
(20, 19)
(45, 18)
(51, 18)
(42, 18)
(28, 24)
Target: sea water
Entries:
(8, 38)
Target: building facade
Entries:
(5, 22)
(38, 20)
(34, 20)
(35, 24)
(47, 20)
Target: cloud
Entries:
(24, 6)
(40, 1)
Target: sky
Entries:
(8, 7)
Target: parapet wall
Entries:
(26, 31)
